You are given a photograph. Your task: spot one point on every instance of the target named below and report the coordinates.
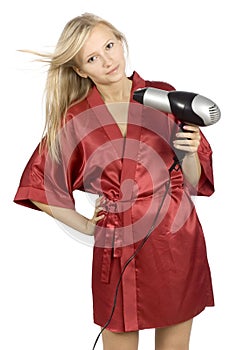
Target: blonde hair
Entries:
(64, 86)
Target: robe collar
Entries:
(94, 98)
(125, 148)
(104, 117)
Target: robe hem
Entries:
(163, 325)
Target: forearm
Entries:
(191, 168)
(69, 217)
(189, 141)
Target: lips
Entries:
(113, 70)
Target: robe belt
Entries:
(115, 211)
(116, 223)
(113, 231)
(112, 235)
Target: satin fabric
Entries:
(169, 281)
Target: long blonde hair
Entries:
(64, 86)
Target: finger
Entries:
(187, 148)
(98, 209)
(186, 142)
(97, 218)
(192, 128)
(186, 145)
(184, 135)
(188, 135)
(100, 200)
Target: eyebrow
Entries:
(93, 53)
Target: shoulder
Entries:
(76, 108)
(138, 80)
(159, 85)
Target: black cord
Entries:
(175, 166)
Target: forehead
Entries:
(96, 39)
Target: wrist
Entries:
(90, 227)
(190, 155)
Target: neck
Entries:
(117, 92)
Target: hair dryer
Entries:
(187, 107)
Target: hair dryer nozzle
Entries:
(207, 109)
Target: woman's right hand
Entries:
(97, 216)
(72, 218)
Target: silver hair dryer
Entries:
(187, 107)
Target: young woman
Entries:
(100, 141)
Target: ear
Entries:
(79, 72)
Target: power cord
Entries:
(175, 166)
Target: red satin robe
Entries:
(169, 280)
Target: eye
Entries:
(110, 45)
(92, 59)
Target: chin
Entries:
(110, 79)
(117, 76)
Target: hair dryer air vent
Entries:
(214, 113)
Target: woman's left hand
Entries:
(188, 140)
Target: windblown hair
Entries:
(64, 86)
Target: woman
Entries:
(99, 140)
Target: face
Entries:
(102, 57)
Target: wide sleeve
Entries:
(205, 186)
(49, 181)
(206, 183)
(45, 180)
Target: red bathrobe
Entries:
(169, 280)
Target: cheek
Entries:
(120, 56)
(93, 70)
(121, 50)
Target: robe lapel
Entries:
(128, 176)
(106, 121)
(127, 150)
(130, 158)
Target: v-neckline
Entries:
(106, 118)
(95, 100)
(123, 131)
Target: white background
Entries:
(196, 46)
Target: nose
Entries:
(107, 60)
